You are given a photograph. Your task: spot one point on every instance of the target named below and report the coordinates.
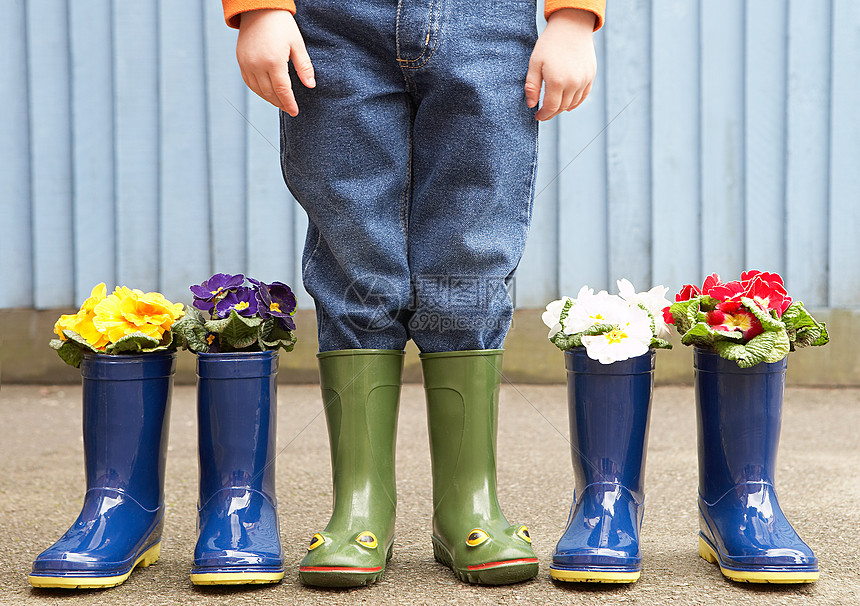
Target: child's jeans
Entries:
(415, 160)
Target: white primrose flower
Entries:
(552, 316)
(628, 339)
(591, 310)
(654, 300)
(629, 314)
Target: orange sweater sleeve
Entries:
(233, 8)
(598, 7)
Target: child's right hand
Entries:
(563, 61)
(268, 39)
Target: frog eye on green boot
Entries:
(523, 533)
(316, 541)
(367, 539)
(476, 537)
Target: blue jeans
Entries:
(414, 158)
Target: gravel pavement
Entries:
(42, 488)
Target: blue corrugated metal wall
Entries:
(719, 136)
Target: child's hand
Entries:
(564, 60)
(267, 40)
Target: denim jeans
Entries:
(414, 158)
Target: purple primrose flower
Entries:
(204, 305)
(241, 299)
(276, 300)
(210, 292)
(216, 286)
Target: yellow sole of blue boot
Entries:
(591, 576)
(744, 576)
(147, 558)
(236, 578)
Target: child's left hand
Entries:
(564, 61)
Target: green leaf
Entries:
(70, 352)
(235, 332)
(265, 329)
(768, 322)
(72, 349)
(823, 338)
(560, 339)
(685, 314)
(273, 336)
(770, 346)
(597, 329)
(707, 303)
(565, 342)
(803, 329)
(777, 344)
(813, 336)
(658, 343)
(190, 331)
(136, 343)
(797, 317)
(698, 334)
(731, 350)
(80, 341)
(565, 310)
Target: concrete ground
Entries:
(41, 489)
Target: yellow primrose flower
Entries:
(89, 332)
(106, 319)
(122, 292)
(128, 311)
(82, 322)
(110, 320)
(151, 308)
(96, 296)
(66, 322)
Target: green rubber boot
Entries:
(470, 533)
(361, 393)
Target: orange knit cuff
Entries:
(598, 7)
(234, 8)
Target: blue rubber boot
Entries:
(126, 413)
(238, 536)
(609, 418)
(741, 525)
